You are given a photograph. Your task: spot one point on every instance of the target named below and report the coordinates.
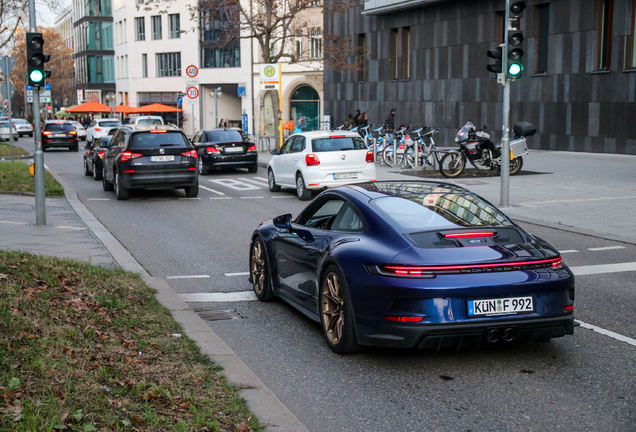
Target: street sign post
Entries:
(7, 92)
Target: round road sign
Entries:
(192, 71)
(193, 92)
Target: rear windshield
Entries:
(109, 123)
(54, 127)
(4, 124)
(154, 139)
(338, 144)
(426, 212)
(20, 121)
(149, 122)
(227, 136)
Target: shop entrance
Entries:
(306, 102)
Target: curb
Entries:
(265, 405)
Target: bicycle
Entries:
(403, 140)
(428, 155)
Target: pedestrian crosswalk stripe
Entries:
(606, 248)
(211, 190)
(609, 333)
(603, 268)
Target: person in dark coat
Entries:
(362, 120)
(356, 117)
(389, 123)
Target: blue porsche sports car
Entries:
(413, 264)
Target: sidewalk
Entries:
(587, 193)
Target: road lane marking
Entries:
(606, 248)
(603, 268)
(188, 277)
(184, 199)
(13, 222)
(251, 197)
(97, 199)
(218, 297)
(235, 184)
(261, 179)
(211, 190)
(256, 182)
(69, 227)
(283, 197)
(237, 274)
(568, 251)
(609, 333)
(578, 200)
(218, 198)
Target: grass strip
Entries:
(5, 150)
(86, 348)
(15, 176)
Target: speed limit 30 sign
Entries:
(192, 92)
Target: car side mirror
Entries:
(274, 152)
(283, 221)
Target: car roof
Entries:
(107, 119)
(328, 134)
(58, 122)
(403, 189)
(146, 128)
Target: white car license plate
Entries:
(501, 306)
(340, 176)
(60, 135)
(161, 158)
(233, 149)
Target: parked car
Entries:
(59, 133)
(146, 120)
(94, 155)
(320, 159)
(413, 264)
(6, 128)
(81, 130)
(142, 156)
(100, 127)
(225, 148)
(23, 127)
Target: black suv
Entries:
(143, 156)
(225, 148)
(59, 133)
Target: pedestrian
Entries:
(357, 116)
(351, 123)
(302, 124)
(362, 120)
(389, 123)
(227, 122)
(289, 126)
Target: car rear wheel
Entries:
(260, 271)
(192, 191)
(86, 170)
(15, 138)
(202, 169)
(303, 193)
(272, 181)
(336, 315)
(74, 148)
(30, 135)
(97, 175)
(253, 169)
(120, 191)
(105, 185)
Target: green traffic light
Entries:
(37, 76)
(515, 69)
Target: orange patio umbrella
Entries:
(89, 107)
(155, 108)
(125, 109)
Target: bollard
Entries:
(375, 150)
(394, 151)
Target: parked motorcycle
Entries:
(477, 148)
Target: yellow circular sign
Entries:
(269, 71)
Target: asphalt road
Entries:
(582, 382)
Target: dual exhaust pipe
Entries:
(506, 335)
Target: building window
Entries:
(140, 29)
(394, 47)
(125, 34)
(315, 43)
(221, 57)
(216, 30)
(156, 27)
(315, 3)
(138, 2)
(604, 34)
(407, 52)
(169, 64)
(144, 65)
(298, 42)
(501, 16)
(175, 26)
(362, 64)
(542, 41)
(632, 63)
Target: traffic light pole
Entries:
(38, 159)
(505, 140)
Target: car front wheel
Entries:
(259, 271)
(301, 190)
(336, 314)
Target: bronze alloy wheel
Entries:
(331, 308)
(258, 269)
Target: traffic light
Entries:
(495, 53)
(36, 59)
(516, 9)
(515, 54)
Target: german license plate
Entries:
(501, 306)
(340, 176)
(60, 135)
(161, 158)
(233, 149)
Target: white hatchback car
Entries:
(317, 160)
(81, 130)
(100, 128)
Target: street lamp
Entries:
(110, 100)
(216, 94)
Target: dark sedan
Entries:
(95, 154)
(225, 148)
(413, 264)
(57, 133)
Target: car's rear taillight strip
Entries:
(469, 234)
